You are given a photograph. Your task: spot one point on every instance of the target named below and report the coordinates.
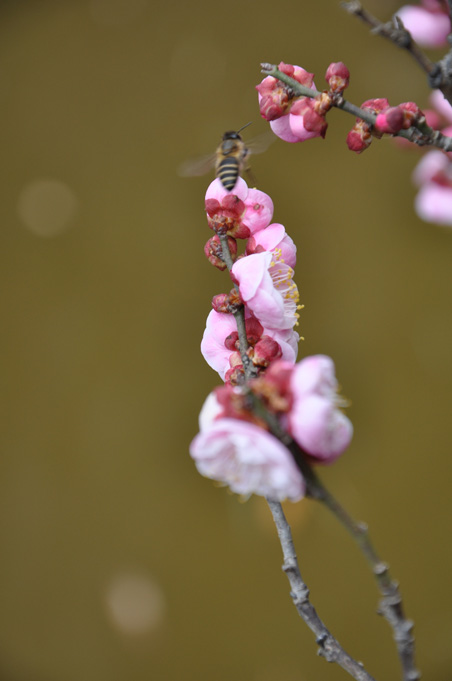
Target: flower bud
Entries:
(214, 252)
(338, 77)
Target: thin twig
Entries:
(239, 315)
(394, 31)
(329, 647)
(439, 74)
(390, 606)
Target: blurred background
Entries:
(118, 561)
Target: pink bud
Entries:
(358, 139)
(214, 252)
(390, 121)
(337, 76)
(265, 351)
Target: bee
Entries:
(230, 159)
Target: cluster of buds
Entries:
(263, 278)
(297, 118)
(237, 447)
(389, 120)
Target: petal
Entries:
(247, 459)
(320, 429)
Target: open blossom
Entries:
(429, 24)
(433, 175)
(248, 459)
(235, 447)
(315, 420)
(266, 286)
(239, 213)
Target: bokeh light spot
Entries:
(47, 207)
(135, 604)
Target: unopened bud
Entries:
(337, 76)
(214, 252)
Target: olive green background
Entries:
(118, 561)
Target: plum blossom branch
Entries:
(390, 606)
(420, 134)
(439, 74)
(329, 648)
(394, 31)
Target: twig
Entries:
(239, 315)
(394, 31)
(421, 134)
(439, 74)
(390, 606)
(329, 647)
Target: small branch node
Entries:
(381, 568)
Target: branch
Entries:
(329, 647)
(239, 315)
(390, 605)
(394, 31)
(439, 75)
(421, 134)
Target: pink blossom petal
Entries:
(433, 203)
(275, 237)
(429, 29)
(247, 459)
(281, 127)
(218, 327)
(210, 410)
(320, 429)
(440, 103)
(288, 340)
(314, 375)
(216, 190)
(259, 210)
(267, 287)
(299, 131)
(432, 163)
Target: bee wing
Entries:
(196, 166)
(259, 144)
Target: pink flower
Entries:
(433, 202)
(216, 190)
(442, 106)
(275, 240)
(315, 420)
(239, 213)
(429, 25)
(267, 288)
(218, 345)
(246, 458)
(320, 428)
(235, 447)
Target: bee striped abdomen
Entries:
(228, 172)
